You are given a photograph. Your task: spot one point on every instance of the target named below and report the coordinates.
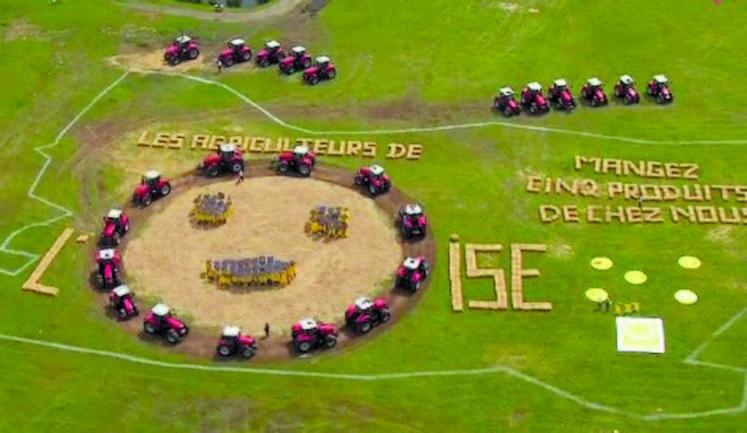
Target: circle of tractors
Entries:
(306, 335)
(185, 48)
(559, 95)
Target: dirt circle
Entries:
(270, 213)
(166, 253)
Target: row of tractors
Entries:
(592, 93)
(185, 48)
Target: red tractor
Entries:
(374, 179)
(236, 51)
(160, 321)
(116, 225)
(365, 314)
(300, 160)
(232, 342)
(412, 221)
(271, 53)
(297, 61)
(323, 69)
(560, 95)
(411, 273)
(506, 103)
(120, 300)
(152, 186)
(227, 159)
(625, 90)
(533, 100)
(593, 93)
(658, 88)
(307, 334)
(108, 262)
(183, 48)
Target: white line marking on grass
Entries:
(440, 128)
(31, 192)
(691, 359)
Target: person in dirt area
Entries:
(267, 330)
(241, 177)
(219, 63)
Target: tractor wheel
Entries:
(248, 352)
(265, 62)
(172, 337)
(126, 228)
(237, 167)
(304, 346)
(147, 200)
(385, 316)
(283, 168)
(122, 314)
(224, 351)
(183, 333)
(507, 112)
(594, 102)
(228, 62)
(659, 99)
(332, 74)
(149, 328)
(304, 169)
(173, 60)
(313, 80)
(306, 63)
(359, 180)
(364, 328)
(166, 189)
(112, 305)
(193, 53)
(213, 171)
(372, 190)
(330, 342)
(99, 281)
(246, 56)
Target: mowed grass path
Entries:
(440, 55)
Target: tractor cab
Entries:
(151, 178)
(534, 87)
(227, 152)
(114, 215)
(413, 210)
(182, 41)
(308, 324)
(626, 80)
(300, 151)
(236, 44)
(412, 263)
(161, 312)
(298, 51)
(560, 84)
(272, 45)
(106, 255)
(506, 93)
(376, 170)
(363, 304)
(322, 62)
(122, 292)
(661, 81)
(594, 83)
(231, 333)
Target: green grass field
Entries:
(402, 64)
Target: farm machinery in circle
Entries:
(658, 88)
(236, 51)
(505, 102)
(152, 187)
(560, 95)
(411, 273)
(298, 60)
(160, 321)
(374, 179)
(533, 100)
(300, 160)
(412, 221)
(116, 225)
(271, 53)
(120, 301)
(226, 159)
(308, 334)
(365, 314)
(626, 91)
(593, 93)
(323, 69)
(233, 342)
(108, 262)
